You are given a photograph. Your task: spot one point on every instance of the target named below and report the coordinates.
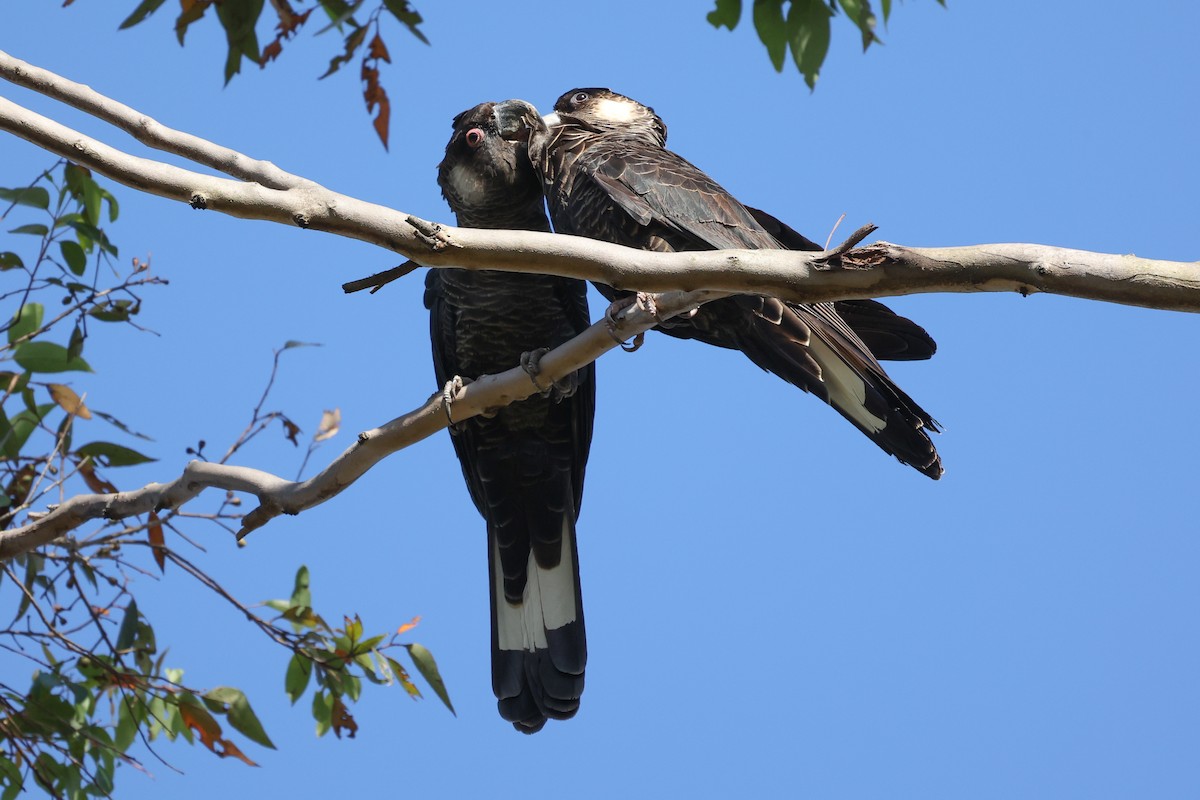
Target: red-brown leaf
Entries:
(157, 543)
(87, 469)
(341, 720)
(377, 49)
(291, 431)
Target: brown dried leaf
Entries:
(69, 401)
(87, 469)
(291, 430)
(232, 749)
(157, 543)
(376, 96)
(341, 720)
(199, 720)
(408, 626)
(331, 423)
(377, 49)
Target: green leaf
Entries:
(9, 260)
(887, 10)
(13, 782)
(402, 676)
(73, 254)
(239, 21)
(144, 9)
(32, 196)
(301, 595)
(47, 357)
(126, 730)
(295, 682)
(859, 12)
(63, 432)
(34, 229)
(91, 201)
(89, 234)
(423, 659)
(27, 320)
(352, 42)
(808, 26)
(185, 19)
(114, 210)
(114, 310)
(128, 632)
(111, 420)
(33, 568)
(322, 711)
(113, 455)
(407, 15)
(768, 21)
(727, 13)
(339, 12)
(75, 345)
(23, 425)
(240, 715)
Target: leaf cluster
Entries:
(802, 27)
(100, 684)
(64, 279)
(336, 660)
(241, 20)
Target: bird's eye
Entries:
(474, 137)
(579, 98)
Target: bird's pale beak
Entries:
(516, 120)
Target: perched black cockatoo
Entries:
(524, 465)
(607, 175)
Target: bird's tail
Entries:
(811, 347)
(539, 649)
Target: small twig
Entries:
(432, 233)
(833, 230)
(380, 279)
(849, 244)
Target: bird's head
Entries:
(603, 110)
(483, 171)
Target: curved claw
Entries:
(560, 389)
(610, 323)
(531, 363)
(452, 388)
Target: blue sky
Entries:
(774, 607)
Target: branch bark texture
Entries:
(259, 190)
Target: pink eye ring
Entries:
(475, 137)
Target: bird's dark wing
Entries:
(524, 465)
(889, 336)
(635, 193)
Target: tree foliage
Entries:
(801, 27)
(100, 683)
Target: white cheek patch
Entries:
(615, 110)
(465, 185)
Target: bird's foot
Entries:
(610, 323)
(449, 394)
(647, 301)
(558, 390)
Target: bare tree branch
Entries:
(878, 270)
(259, 190)
(279, 496)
